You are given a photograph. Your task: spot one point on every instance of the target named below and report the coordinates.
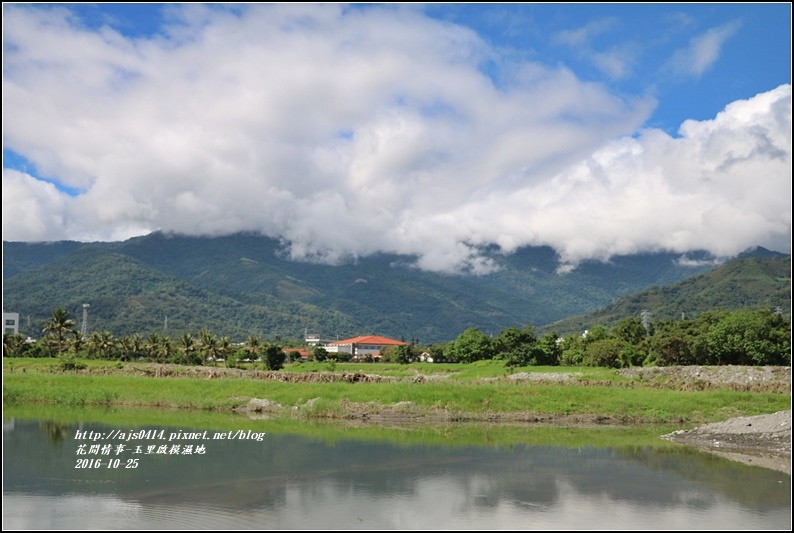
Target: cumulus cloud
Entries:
(722, 185)
(32, 208)
(346, 132)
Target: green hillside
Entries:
(747, 282)
(126, 296)
(242, 284)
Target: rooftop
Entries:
(368, 339)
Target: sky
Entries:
(432, 130)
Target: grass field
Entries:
(480, 391)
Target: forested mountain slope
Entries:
(746, 282)
(242, 284)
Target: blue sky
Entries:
(754, 55)
(432, 130)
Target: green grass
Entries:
(455, 397)
(454, 371)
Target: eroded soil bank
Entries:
(762, 440)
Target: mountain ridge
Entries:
(241, 284)
(746, 282)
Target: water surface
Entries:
(332, 477)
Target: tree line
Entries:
(62, 340)
(741, 337)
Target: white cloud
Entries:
(32, 208)
(583, 36)
(615, 62)
(351, 131)
(703, 51)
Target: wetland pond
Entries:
(67, 468)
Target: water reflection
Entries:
(289, 481)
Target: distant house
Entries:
(303, 354)
(312, 340)
(360, 347)
(427, 357)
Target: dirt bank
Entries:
(763, 440)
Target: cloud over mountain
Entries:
(351, 131)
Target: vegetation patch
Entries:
(600, 397)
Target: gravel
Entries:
(742, 375)
(762, 440)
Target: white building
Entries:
(11, 323)
(362, 346)
(313, 340)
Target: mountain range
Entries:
(242, 284)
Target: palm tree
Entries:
(131, 346)
(76, 343)
(208, 346)
(252, 349)
(188, 345)
(60, 325)
(153, 346)
(92, 343)
(225, 349)
(166, 349)
(103, 343)
(13, 343)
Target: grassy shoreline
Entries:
(477, 392)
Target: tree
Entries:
(631, 355)
(59, 326)
(517, 347)
(673, 351)
(274, 357)
(208, 346)
(402, 354)
(76, 343)
(604, 352)
(471, 345)
(549, 350)
(102, 343)
(596, 333)
(511, 339)
(751, 337)
(13, 344)
(166, 350)
(131, 346)
(630, 330)
(187, 345)
(225, 349)
(152, 346)
(252, 349)
(572, 351)
(682, 342)
(436, 351)
(320, 353)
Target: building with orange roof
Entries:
(362, 346)
(302, 353)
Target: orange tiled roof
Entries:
(303, 352)
(368, 339)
